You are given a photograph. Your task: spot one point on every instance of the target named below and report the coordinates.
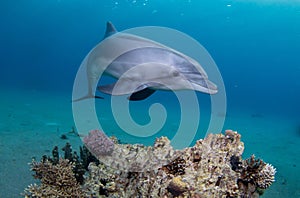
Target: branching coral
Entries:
(60, 177)
(257, 172)
(57, 180)
(266, 176)
(256, 175)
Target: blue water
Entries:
(255, 44)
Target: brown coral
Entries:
(256, 175)
(257, 172)
(56, 180)
(176, 167)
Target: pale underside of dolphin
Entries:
(141, 66)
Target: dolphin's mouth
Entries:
(205, 86)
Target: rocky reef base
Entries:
(213, 167)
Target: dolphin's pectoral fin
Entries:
(87, 97)
(137, 92)
(141, 95)
(124, 87)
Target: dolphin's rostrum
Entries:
(142, 66)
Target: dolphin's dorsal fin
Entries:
(110, 29)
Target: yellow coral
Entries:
(177, 186)
(178, 182)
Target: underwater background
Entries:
(255, 44)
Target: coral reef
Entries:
(98, 143)
(56, 180)
(130, 157)
(213, 167)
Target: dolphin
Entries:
(141, 67)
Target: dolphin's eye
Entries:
(175, 73)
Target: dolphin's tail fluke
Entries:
(87, 97)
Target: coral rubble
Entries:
(213, 167)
